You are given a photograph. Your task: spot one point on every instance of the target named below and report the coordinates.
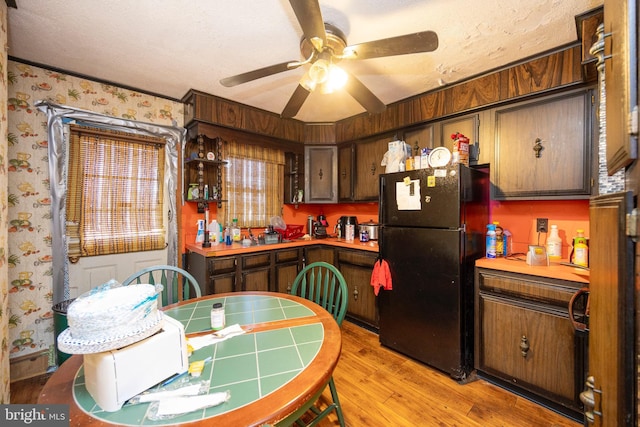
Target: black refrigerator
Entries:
(433, 227)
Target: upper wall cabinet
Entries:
(345, 172)
(368, 156)
(621, 76)
(321, 174)
(468, 126)
(543, 148)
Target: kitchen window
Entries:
(115, 192)
(253, 185)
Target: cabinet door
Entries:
(321, 174)
(287, 265)
(318, 253)
(345, 172)
(356, 267)
(621, 75)
(543, 149)
(468, 126)
(528, 347)
(368, 156)
(256, 271)
(221, 274)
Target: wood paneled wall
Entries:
(554, 71)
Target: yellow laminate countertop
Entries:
(555, 270)
(238, 249)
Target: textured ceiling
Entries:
(170, 46)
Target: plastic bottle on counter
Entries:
(580, 249)
(213, 232)
(554, 244)
(500, 252)
(491, 241)
(235, 231)
(227, 235)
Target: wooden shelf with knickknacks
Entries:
(203, 171)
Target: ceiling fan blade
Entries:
(259, 73)
(295, 102)
(310, 19)
(364, 96)
(424, 41)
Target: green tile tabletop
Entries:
(286, 356)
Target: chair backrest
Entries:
(179, 284)
(323, 284)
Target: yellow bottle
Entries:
(580, 249)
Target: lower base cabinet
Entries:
(525, 339)
(269, 270)
(356, 267)
(276, 270)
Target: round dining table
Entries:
(274, 371)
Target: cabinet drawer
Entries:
(360, 258)
(557, 293)
(256, 261)
(527, 346)
(287, 255)
(221, 265)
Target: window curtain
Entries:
(58, 117)
(253, 184)
(115, 192)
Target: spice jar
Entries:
(217, 316)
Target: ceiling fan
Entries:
(323, 45)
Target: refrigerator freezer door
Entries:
(429, 313)
(436, 198)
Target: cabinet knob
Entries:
(373, 168)
(320, 174)
(355, 293)
(344, 173)
(288, 288)
(524, 346)
(537, 147)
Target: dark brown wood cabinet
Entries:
(543, 148)
(321, 174)
(525, 339)
(356, 267)
(346, 165)
(286, 265)
(255, 272)
(267, 270)
(318, 253)
(215, 275)
(368, 158)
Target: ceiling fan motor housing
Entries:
(335, 43)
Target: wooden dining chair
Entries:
(178, 284)
(323, 284)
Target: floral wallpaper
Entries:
(29, 253)
(4, 295)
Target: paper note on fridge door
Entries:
(408, 195)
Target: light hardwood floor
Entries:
(379, 387)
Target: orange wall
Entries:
(519, 217)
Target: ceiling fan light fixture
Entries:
(307, 82)
(337, 79)
(319, 71)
